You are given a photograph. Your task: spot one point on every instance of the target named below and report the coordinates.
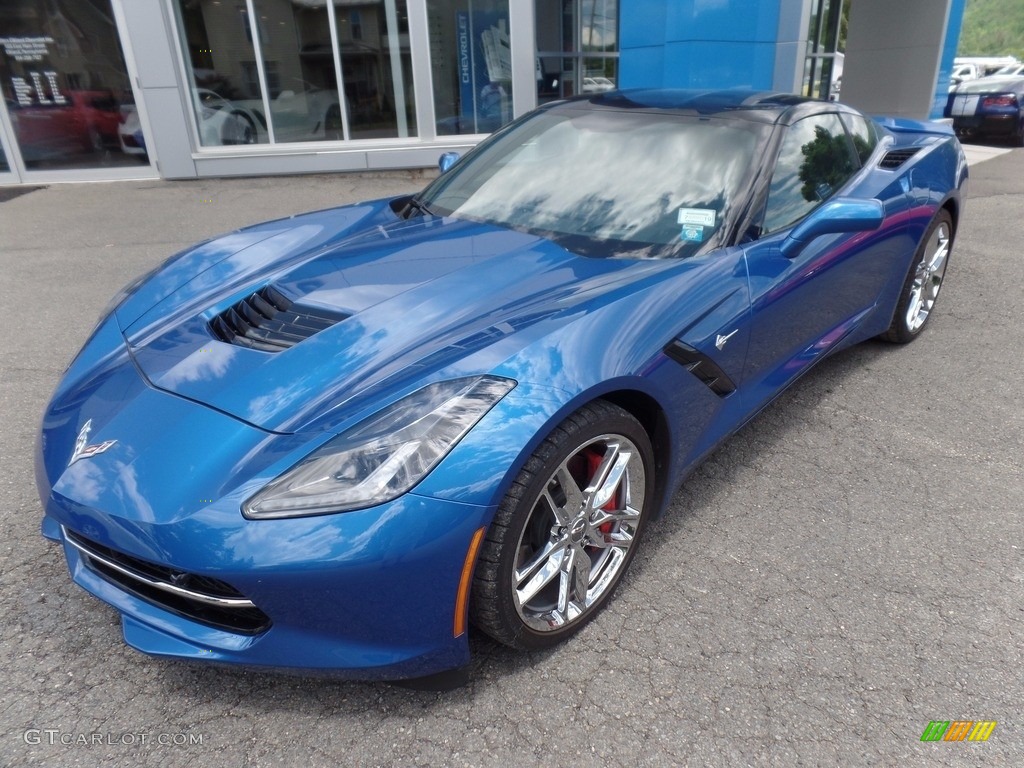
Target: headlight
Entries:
(384, 456)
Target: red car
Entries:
(88, 123)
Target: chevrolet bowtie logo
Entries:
(83, 451)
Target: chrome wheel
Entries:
(924, 279)
(579, 532)
(927, 280)
(566, 530)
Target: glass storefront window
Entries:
(376, 65)
(298, 60)
(66, 86)
(294, 95)
(4, 167)
(471, 63)
(226, 95)
(823, 66)
(599, 75)
(599, 25)
(577, 47)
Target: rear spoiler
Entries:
(906, 125)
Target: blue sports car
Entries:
(335, 441)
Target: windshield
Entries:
(607, 182)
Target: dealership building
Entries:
(127, 89)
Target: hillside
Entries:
(992, 28)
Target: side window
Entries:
(862, 132)
(813, 163)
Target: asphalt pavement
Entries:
(843, 571)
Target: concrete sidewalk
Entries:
(979, 153)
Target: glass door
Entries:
(69, 104)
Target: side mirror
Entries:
(447, 160)
(843, 214)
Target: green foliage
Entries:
(992, 28)
(826, 165)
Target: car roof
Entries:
(737, 103)
(992, 84)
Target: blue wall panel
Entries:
(732, 20)
(719, 64)
(723, 43)
(698, 43)
(953, 25)
(643, 67)
(642, 23)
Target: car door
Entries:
(802, 304)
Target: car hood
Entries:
(413, 297)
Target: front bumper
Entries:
(342, 597)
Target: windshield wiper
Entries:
(416, 205)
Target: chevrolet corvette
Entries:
(333, 442)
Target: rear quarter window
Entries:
(863, 133)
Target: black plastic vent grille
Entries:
(701, 366)
(269, 321)
(200, 598)
(896, 157)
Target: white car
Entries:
(597, 84)
(1011, 69)
(223, 122)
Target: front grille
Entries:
(200, 598)
(269, 321)
(894, 158)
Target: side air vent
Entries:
(701, 366)
(269, 321)
(896, 157)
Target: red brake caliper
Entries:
(594, 460)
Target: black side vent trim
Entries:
(701, 366)
(894, 158)
(269, 321)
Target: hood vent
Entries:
(897, 157)
(269, 321)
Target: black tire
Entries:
(332, 123)
(238, 129)
(921, 286)
(548, 526)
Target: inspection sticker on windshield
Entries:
(692, 233)
(701, 217)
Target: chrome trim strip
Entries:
(223, 602)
